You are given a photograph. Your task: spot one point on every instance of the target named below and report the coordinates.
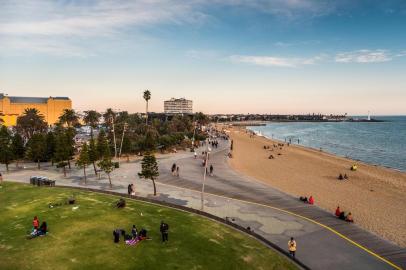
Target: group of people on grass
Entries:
(38, 230)
(343, 216)
(137, 236)
(309, 200)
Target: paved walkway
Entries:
(248, 203)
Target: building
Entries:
(51, 108)
(178, 106)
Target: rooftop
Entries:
(38, 100)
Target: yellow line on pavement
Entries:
(306, 218)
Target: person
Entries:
(132, 190)
(134, 232)
(340, 177)
(292, 247)
(35, 223)
(303, 199)
(173, 168)
(116, 235)
(177, 171)
(129, 189)
(345, 176)
(211, 170)
(311, 200)
(143, 234)
(338, 211)
(43, 229)
(195, 154)
(349, 218)
(342, 215)
(164, 228)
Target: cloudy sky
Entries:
(256, 56)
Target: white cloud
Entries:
(364, 56)
(272, 61)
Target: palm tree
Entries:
(30, 123)
(147, 97)
(69, 117)
(92, 119)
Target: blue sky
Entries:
(257, 56)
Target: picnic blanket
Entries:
(133, 242)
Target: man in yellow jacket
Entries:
(292, 247)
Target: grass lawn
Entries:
(82, 238)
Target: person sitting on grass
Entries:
(143, 234)
(349, 218)
(311, 200)
(43, 229)
(35, 223)
(134, 232)
(338, 211)
(304, 199)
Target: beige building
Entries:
(50, 107)
(178, 106)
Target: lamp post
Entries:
(208, 150)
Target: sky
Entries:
(228, 56)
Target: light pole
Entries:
(208, 150)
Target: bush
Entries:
(116, 165)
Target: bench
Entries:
(41, 181)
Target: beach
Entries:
(374, 195)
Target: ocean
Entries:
(379, 143)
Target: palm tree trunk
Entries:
(69, 164)
(64, 171)
(153, 182)
(84, 172)
(146, 114)
(39, 164)
(7, 167)
(108, 174)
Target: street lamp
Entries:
(208, 150)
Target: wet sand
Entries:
(375, 195)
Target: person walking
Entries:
(292, 247)
(173, 168)
(129, 189)
(195, 154)
(164, 229)
(177, 171)
(211, 170)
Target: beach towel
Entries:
(133, 242)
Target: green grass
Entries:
(82, 238)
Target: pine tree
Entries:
(36, 149)
(62, 150)
(50, 141)
(17, 145)
(107, 166)
(83, 161)
(103, 150)
(93, 154)
(6, 151)
(149, 169)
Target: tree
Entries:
(103, 150)
(92, 119)
(69, 117)
(70, 138)
(107, 166)
(17, 145)
(6, 151)
(36, 150)
(93, 154)
(147, 97)
(30, 123)
(83, 160)
(126, 148)
(149, 169)
(62, 150)
(50, 142)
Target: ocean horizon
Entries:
(376, 143)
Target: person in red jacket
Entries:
(35, 223)
(311, 200)
(338, 211)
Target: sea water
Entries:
(379, 143)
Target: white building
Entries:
(178, 105)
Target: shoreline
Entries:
(374, 193)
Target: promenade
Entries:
(324, 242)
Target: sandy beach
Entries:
(375, 195)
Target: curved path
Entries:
(333, 244)
(269, 212)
